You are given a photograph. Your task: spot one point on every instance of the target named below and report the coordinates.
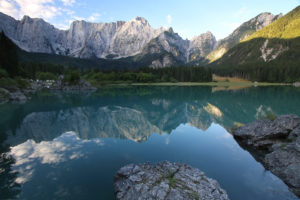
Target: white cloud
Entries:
(94, 17)
(169, 19)
(8, 7)
(68, 2)
(67, 11)
(34, 8)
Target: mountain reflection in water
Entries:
(52, 134)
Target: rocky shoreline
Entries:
(165, 180)
(18, 95)
(12, 96)
(276, 144)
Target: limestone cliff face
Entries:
(104, 40)
(167, 49)
(83, 39)
(201, 46)
(155, 47)
(113, 40)
(175, 50)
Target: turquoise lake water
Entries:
(69, 146)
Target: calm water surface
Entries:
(69, 146)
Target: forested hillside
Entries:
(272, 54)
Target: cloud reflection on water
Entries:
(66, 147)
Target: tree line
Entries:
(11, 67)
(147, 75)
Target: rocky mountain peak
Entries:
(241, 33)
(203, 37)
(201, 46)
(264, 19)
(170, 30)
(141, 20)
(254, 24)
(121, 39)
(27, 19)
(83, 39)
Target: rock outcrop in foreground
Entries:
(165, 180)
(276, 144)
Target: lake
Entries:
(70, 145)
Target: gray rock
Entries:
(4, 95)
(276, 144)
(178, 49)
(201, 46)
(13, 96)
(17, 96)
(297, 84)
(82, 85)
(165, 180)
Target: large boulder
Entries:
(165, 180)
(17, 96)
(276, 144)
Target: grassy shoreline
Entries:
(216, 84)
(218, 81)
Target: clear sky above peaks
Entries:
(187, 17)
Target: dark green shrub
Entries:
(3, 73)
(7, 83)
(21, 83)
(72, 77)
(271, 116)
(46, 76)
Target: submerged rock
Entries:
(165, 180)
(276, 144)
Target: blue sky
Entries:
(187, 17)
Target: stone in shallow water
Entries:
(165, 180)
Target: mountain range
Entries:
(134, 41)
(269, 54)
